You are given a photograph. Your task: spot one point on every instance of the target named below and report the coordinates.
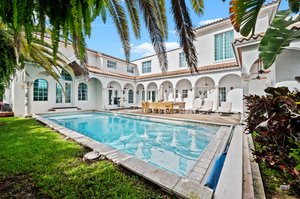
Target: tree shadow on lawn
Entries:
(40, 157)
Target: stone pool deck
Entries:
(189, 186)
(213, 118)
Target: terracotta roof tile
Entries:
(253, 37)
(98, 70)
(201, 69)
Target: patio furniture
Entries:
(225, 108)
(153, 107)
(166, 107)
(179, 106)
(207, 107)
(144, 107)
(197, 103)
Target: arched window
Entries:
(66, 76)
(82, 92)
(130, 96)
(40, 90)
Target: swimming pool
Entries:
(170, 145)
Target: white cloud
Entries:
(146, 49)
(172, 31)
(204, 22)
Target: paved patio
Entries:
(214, 118)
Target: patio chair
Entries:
(197, 103)
(207, 107)
(225, 108)
(145, 107)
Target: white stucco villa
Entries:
(228, 69)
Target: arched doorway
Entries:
(231, 90)
(152, 92)
(140, 93)
(66, 85)
(114, 94)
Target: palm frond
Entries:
(198, 6)
(160, 11)
(280, 34)
(156, 36)
(134, 17)
(184, 28)
(243, 15)
(119, 18)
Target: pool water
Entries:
(173, 146)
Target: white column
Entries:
(161, 94)
(174, 94)
(193, 95)
(121, 98)
(146, 95)
(246, 79)
(27, 104)
(105, 98)
(216, 102)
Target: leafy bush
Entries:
(274, 121)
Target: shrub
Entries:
(274, 121)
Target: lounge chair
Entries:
(225, 108)
(207, 107)
(196, 105)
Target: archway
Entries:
(231, 90)
(152, 92)
(183, 92)
(114, 94)
(167, 91)
(95, 96)
(140, 93)
(128, 95)
(205, 89)
(288, 69)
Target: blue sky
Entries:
(104, 37)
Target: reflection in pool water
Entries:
(168, 145)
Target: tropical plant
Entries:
(16, 51)
(243, 15)
(274, 121)
(279, 36)
(73, 20)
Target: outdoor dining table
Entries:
(166, 106)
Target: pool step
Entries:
(66, 108)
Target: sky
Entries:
(104, 37)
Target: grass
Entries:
(38, 162)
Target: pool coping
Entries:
(142, 115)
(189, 186)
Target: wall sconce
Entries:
(166, 91)
(191, 89)
(231, 88)
(297, 78)
(109, 86)
(124, 91)
(200, 92)
(137, 92)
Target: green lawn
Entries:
(35, 160)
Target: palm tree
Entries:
(16, 51)
(243, 15)
(72, 19)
